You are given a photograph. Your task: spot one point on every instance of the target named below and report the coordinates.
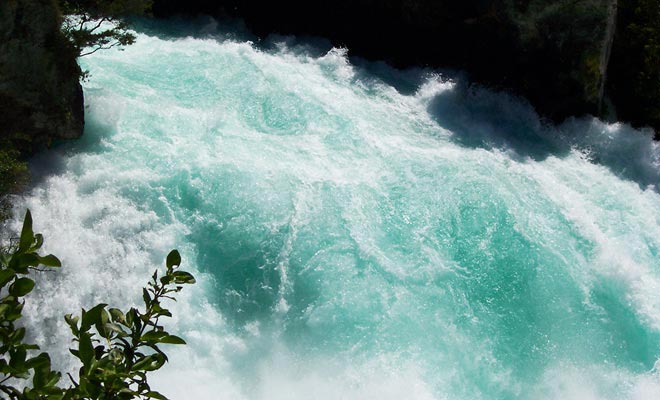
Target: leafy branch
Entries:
(116, 349)
(16, 363)
(99, 24)
(125, 346)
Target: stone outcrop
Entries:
(564, 51)
(41, 99)
(633, 78)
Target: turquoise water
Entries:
(358, 232)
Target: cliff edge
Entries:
(40, 94)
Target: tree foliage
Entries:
(116, 349)
(93, 25)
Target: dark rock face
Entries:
(40, 94)
(553, 52)
(633, 80)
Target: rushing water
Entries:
(357, 232)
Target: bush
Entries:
(14, 176)
(84, 25)
(116, 349)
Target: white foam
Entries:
(187, 130)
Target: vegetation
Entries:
(88, 26)
(116, 349)
(13, 176)
(85, 29)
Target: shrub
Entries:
(14, 175)
(116, 349)
(84, 26)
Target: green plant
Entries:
(116, 349)
(84, 26)
(14, 176)
(16, 363)
(125, 346)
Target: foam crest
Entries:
(353, 238)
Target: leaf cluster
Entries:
(85, 28)
(116, 349)
(14, 175)
(16, 361)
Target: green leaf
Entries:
(116, 355)
(21, 287)
(17, 360)
(133, 319)
(73, 324)
(146, 297)
(183, 277)
(104, 318)
(85, 349)
(53, 378)
(39, 241)
(14, 314)
(149, 363)
(41, 371)
(34, 362)
(110, 327)
(91, 317)
(21, 375)
(173, 259)
(155, 395)
(132, 394)
(18, 334)
(21, 262)
(153, 336)
(171, 339)
(6, 275)
(27, 236)
(117, 315)
(4, 367)
(50, 261)
(3, 309)
(164, 313)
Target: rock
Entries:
(633, 79)
(41, 98)
(564, 51)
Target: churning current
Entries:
(357, 232)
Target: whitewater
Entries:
(357, 232)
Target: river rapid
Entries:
(357, 232)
